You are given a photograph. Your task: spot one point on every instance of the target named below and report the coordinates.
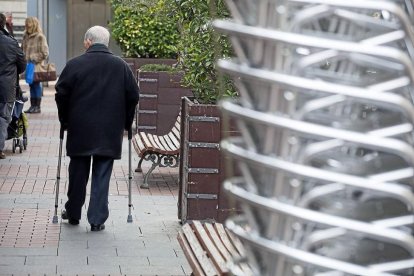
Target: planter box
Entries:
(160, 101)
(202, 164)
(136, 63)
(152, 116)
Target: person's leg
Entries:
(98, 210)
(79, 168)
(5, 118)
(32, 98)
(37, 97)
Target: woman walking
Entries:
(36, 50)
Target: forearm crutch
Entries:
(55, 217)
(129, 219)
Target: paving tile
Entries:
(71, 251)
(162, 261)
(56, 260)
(29, 269)
(160, 252)
(73, 233)
(89, 270)
(63, 245)
(28, 251)
(151, 270)
(123, 260)
(27, 186)
(12, 261)
(156, 238)
(96, 245)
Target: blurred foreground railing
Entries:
(326, 153)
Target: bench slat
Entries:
(198, 251)
(216, 239)
(227, 243)
(138, 145)
(154, 140)
(157, 144)
(243, 266)
(153, 145)
(176, 133)
(211, 249)
(177, 124)
(165, 144)
(135, 143)
(145, 140)
(174, 140)
(236, 243)
(195, 266)
(218, 244)
(169, 142)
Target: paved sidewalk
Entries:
(30, 244)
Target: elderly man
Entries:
(12, 63)
(96, 95)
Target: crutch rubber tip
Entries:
(55, 219)
(129, 219)
(144, 186)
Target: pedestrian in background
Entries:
(12, 63)
(96, 95)
(36, 50)
(9, 22)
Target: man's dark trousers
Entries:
(79, 168)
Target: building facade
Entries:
(64, 23)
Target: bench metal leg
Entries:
(160, 160)
(139, 169)
(145, 184)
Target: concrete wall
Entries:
(58, 33)
(53, 17)
(19, 10)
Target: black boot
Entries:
(36, 108)
(32, 105)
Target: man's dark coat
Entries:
(96, 95)
(12, 63)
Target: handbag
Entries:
(45, 72)
(29, 73)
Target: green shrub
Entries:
(144, 28)
(158, 68)
(167, 28)
(200, 46)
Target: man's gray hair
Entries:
(98, 34)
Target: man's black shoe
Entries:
(97, 227)
(71, 220)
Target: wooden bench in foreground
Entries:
(209, 247)
(162, 151)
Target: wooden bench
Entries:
(209, 247)
(162, 151)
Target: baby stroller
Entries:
(17, 129)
